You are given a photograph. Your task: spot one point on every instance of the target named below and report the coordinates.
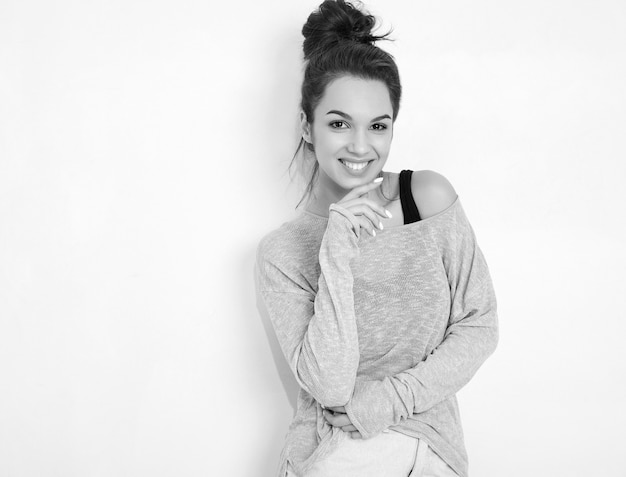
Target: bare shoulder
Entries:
(432, 192)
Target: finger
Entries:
(337, 409)
(377, 208)
(356, 435)
(349, 428)
(366, 224)
(361, 202)
(366, 211)
(330, 418)
(338, 420)
(364, 189)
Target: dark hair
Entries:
(338, 41)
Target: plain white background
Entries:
(143, 154)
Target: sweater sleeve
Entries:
(316, 331)
(471, 336)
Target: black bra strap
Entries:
(409, 209)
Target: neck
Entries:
(324, 193)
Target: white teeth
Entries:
(356, 166)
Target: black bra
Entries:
(409, 209)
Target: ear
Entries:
(305, 127)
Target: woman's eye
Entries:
(379, 127)
(338, 124)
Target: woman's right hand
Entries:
(366, 211)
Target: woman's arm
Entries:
(471, 336)
(316, 331)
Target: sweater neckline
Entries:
(412, 225)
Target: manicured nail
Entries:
(380, 225)
(388, 213)
(374, 233)
(378, 179)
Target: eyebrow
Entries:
(349, 118)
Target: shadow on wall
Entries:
(290, 385)
(282, 133)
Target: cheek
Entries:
(383, 143)
(327, 141)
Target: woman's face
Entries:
(351, 131)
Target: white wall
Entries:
(143, 154)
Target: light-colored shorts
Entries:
(389, 454)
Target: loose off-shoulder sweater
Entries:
(391, 327)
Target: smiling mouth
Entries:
(355, 166)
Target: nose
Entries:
(359, 143)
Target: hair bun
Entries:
(335, 21)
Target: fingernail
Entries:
(374, 233)
(378, 179)
(380, 225)
(388, 213)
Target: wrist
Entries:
(349, 218)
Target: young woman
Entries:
(378, 292)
